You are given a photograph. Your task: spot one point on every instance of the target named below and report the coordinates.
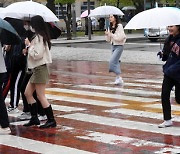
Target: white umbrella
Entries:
(28, 9)
(105, 11)
(1, 9)
(155, 18)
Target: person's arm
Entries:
(108, 35)
(37, 48)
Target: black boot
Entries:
(51, 121)
(34, 118)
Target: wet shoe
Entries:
(12, 110)
(25, 116)
(119, 81)
(5, 131)
(33, 121)
(166, 123)
(49, 124)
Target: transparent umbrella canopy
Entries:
(155, 18)
(28, 9)
(105, 11)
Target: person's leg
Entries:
(26, 110)
(177, 92)
(40, 90)
(167, 85)
(32, 105)
(114, 64)
(4, 121)
(165, 97)
(23, 87)
(16, 78)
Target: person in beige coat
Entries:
(39, 57)
(116, 36)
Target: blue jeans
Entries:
(114, 63)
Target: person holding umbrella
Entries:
(116, 36)
(171, 70)
(39, 57)
(4, 121)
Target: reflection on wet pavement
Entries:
(95, 116)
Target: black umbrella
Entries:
(8, 34)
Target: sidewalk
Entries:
(94, 39)
(91, 54)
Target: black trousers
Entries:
(4, 121)
(16, 79)
(168, 84)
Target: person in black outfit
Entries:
(171, 70)
(16, 67)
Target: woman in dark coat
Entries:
(171, 69)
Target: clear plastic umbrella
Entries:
(105, 11)
(155, 18)
(28, 9)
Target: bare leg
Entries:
(40, 90)
(30, 88)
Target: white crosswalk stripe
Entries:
(105, 95)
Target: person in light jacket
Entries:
(116, 36)
(39, 57)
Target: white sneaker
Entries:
(166, 123)
(5, 131)
(42, 118)
(12, 110)
(25, 116)
(119, 81)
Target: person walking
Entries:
(25, 115)
(15, 65)
(4, 121)
(116, 36)
(171, 70)
(39, 57)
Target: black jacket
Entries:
(172, 65)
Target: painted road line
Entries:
(157, 86)
(119, 89)
(38, 146)
(66, 108)
(115, 139)
(150, 80)
(135, 125)
(139, 113)
(159, 106)
(83, 101)
(142, 85)
(105, 95)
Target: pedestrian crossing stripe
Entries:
(38, 146)
(59, 92)
(134, 125)
(83, 100)
(117, 139)
(140, 113)
(120, 89)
